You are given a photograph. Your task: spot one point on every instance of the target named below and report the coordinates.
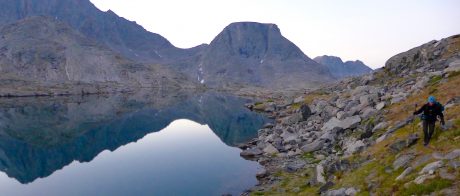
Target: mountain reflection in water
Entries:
(39, 136)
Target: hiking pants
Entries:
(428, 130)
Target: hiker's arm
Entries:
(441, 116)
(420, 110)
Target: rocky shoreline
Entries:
(317, 134)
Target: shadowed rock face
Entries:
(340, 69)
(257, 54)
(121, 35)
(47, 52)
(433, 55)
(40, 136)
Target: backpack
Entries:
(440, 106)
(423, 117)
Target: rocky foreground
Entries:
(359, 136)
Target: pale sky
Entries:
(369, 30)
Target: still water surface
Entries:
(126, 145)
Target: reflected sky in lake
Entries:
(126, 145)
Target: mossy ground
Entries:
(377, 175)
(292, 184)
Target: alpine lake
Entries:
(126, 144)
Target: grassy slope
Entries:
(443, 142)
(381, 158)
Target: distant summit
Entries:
(257, 54)
(340, 69)
(119, 34)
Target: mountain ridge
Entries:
(244, 53)
(44, 52)
(340, 69)
(118, 33)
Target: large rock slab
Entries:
(398, 145)
(346, 123)
(328, 136)
(403, 161)
(354, 147)
(367, 112)
(294, 166)
(453, 155)
(290, 138)
(320, 174)
(380, 106)
(453, 66)
(314, 146)
(270, 149)
(294, 118)
(431, 167)
(380, 126)
(422, 178)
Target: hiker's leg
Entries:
(425, 132)
(430, 129)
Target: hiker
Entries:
(431, 111)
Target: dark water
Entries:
(141, 144)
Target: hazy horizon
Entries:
(369, 31)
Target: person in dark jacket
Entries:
(431, 111)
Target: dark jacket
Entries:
(430, 113)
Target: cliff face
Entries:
(257, 54)
(46, 52)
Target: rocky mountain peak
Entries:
(255, 40)
(258, 54)
(325, 59)
(252, 27)
(340, 69)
